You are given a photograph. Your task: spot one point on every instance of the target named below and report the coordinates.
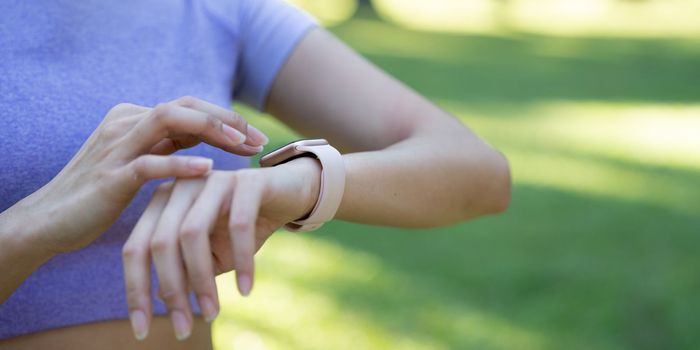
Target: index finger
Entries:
(254, 137)
(172, 121)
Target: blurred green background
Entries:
(596, 104)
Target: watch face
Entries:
(289, 151)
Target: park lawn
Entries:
(597, 251)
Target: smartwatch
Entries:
(332, 179)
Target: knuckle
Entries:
(171, 297)
(213, 122)
(121, 108)
(239, 226)
(239, 120)
(159, 245)
(189, 232)
(201, 282)
(110, 130)
(131, 251)
(161, 111)
(186, 101)
(136, 296)
(140, 165)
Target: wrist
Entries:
(330, 180)
(18, 254)
(308, 170)
(23, 234)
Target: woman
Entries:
(65, 230)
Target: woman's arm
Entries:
(128, 148)
(20, 253)
(415, 165)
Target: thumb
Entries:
(149, 167)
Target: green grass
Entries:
(597, 251)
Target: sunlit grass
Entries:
(559, 17)
(289, 294)
(440, 15)
(614, 150)
(646, 133)
(328, 12)
(595, 178)
(295, 306)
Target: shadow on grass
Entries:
(528, 68)
(581, 271)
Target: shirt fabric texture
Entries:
(64, 64)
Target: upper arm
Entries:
(327, 90)
(267, 31)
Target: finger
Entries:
(172, 145)
(169, 146)
(123, 110)
(170, 120)
(242, 221)
(114, 127)
(254, 137)
(167, 260)
(245, 150)
(220, 239)
(159, 292)
(195, 244)
(120, 125)
(149, 167)
(135, 259)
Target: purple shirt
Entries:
(64, 64)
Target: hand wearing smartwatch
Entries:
(216, 223)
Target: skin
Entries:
(127, 149)
(408, 164)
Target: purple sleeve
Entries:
(268, 32)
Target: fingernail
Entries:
(208, 309)
(236, 136)
(138, 324)
(180, 324)
(257, 136)
(244, 283)
(200, 164)
(258, 149)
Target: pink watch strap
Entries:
(331, 189)
(332, 179)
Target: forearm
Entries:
(439, 175)
(19, 253)
(416, 165)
